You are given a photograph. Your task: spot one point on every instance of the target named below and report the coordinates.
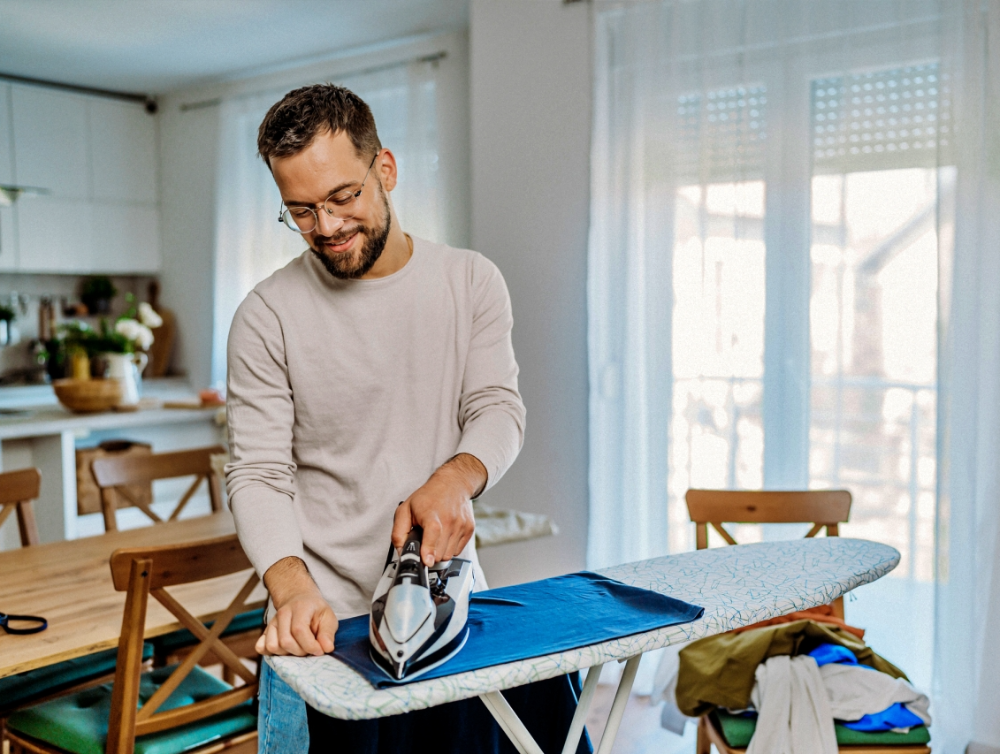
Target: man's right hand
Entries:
(303, 623)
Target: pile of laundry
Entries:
(803, 683)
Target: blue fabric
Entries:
(532, 620)
(281, 716)
(896, 716)
(827, 654)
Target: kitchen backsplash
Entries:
(30, 289)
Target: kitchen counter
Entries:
(35, 430)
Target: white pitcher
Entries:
(127, 367)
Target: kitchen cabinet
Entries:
(123, 152)
(8, 217)
(50, 141)
(97, 158)
(55, 235)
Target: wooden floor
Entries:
(640, 731)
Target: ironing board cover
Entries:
(737, 586)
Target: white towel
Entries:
(793, 709)
(855, 691)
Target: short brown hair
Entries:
(292, 123)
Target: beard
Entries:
(352, 265)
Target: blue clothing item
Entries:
(281, 716)
(531, 620)
(464, 727)
(826, 654)
(896, 716)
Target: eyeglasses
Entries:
(305, 219)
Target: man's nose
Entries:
(328, 224)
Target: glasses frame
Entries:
(293, 226)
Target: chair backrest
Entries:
(17, 490)
(113, 476)
(821, 508)
(145, 571)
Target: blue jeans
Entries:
(281, 718)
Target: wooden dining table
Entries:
(69, 584)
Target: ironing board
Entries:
(736, 585)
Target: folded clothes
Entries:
(530, 620)
(818, 614)
(718, 671)
(895, 718)
(856, 692)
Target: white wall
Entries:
(530, 71)
(189, 125)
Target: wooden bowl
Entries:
(88, 396)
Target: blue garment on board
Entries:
(531, 620)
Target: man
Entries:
(373, 369)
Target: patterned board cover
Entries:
(737, 586)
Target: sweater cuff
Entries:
(267, 526)
(495, 439)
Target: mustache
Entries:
(340, 237)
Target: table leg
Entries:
(582, 708)
(55, 509)
(510, 723)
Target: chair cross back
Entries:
(17, 490)
(141, 572)
(113, 476)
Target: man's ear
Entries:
(387, 170)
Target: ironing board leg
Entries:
(511, 723)
(582, 708)
(525, 743)
(618, 706)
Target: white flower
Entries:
(135, 331)
(148, 315)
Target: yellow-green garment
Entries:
(718, 671)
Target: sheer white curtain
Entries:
(794, 241)
(250, 243)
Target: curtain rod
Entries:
(143, 99)
(434, 57)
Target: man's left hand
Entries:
(443, 508)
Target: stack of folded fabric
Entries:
(802, 683)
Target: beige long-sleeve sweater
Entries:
(344, 397)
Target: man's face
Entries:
(350, 241)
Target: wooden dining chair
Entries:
(823, 509)
(114, 475)
(179, 708)
(17, 490)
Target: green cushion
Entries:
(78, 723)
(24, 688)
(169, 643)
(739, 730)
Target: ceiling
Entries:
(152, 46)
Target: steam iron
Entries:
(418, 618)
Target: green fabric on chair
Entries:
(24, 688)
(170, 643)
(739, 730)
(78, 723)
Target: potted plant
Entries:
(96, 294)
(118, 349)
(7, 316)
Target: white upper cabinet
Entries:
(97, 158)
(123, 142)
(51, 141)
(8, 217)
(6, 139)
